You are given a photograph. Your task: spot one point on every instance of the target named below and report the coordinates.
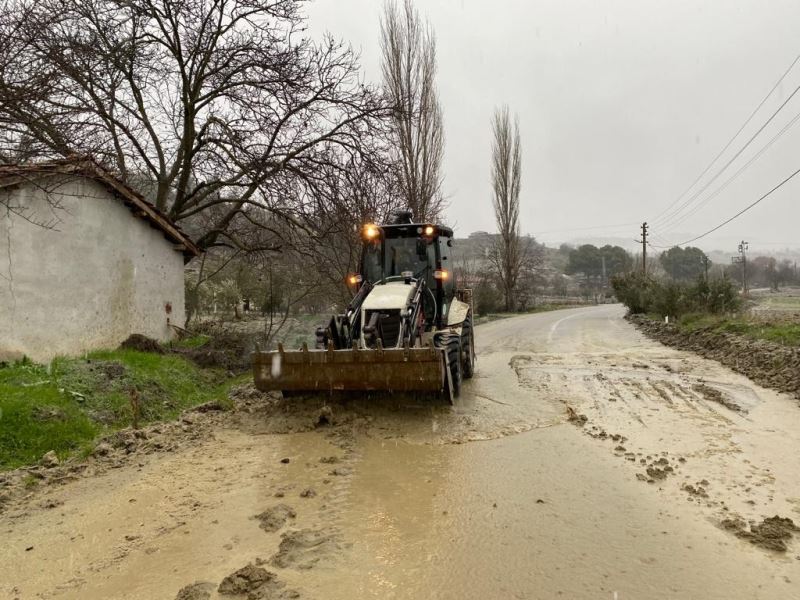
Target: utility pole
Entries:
(743, 248)
(644, 247)
(742, 260)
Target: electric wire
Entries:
(730, 142)
(744, 210)
(697, 194)
(741, 170)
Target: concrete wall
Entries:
(99, 276)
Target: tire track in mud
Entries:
(303, 519)
(679, 431)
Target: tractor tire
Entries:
(468, 348)
(451, 343)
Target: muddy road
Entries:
(583, 461)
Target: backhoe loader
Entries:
(408, 328)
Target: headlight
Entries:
(370, 232)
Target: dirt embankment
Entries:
(767, 363)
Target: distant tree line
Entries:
(766, 272)
(598, 264)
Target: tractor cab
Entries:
(404, 253)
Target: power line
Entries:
(735, 156)
(728, 145)
(744, 210)
(724, 186)
(660, 237)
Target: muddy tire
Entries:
(468, 348)
(451, 342)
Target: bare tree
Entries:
(218, 106)
(530, 280)
(408, 48)
(345, 199)
(508, 255)
(319, 238)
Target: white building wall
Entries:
(98, 276)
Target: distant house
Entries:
(84, 262)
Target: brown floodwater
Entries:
(501, 497)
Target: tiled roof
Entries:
(16, 174)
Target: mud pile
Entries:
(251, 582)
(196, 591)
(227, 350)
(767, 363)
(224, 349)
(714, 395)
(269, 412)
(273, 519)
(142, 343)
(306, 548)
(772, 533)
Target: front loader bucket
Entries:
(395, 369)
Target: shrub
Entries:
(634, 291)
(488, 298)
(722, 296)
(644, 294)
(671, 299)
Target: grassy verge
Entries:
(189, 343)
(786, 333)
(66, 405)
(778, 302)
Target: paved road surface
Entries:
(502, 497)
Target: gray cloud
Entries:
(621, 105)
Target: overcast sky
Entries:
(622, 104)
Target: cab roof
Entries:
(415, 229)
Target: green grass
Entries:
(189, 343)
(779, 302)
(65, 406)
(787, 334)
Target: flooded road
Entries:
(583, 461)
